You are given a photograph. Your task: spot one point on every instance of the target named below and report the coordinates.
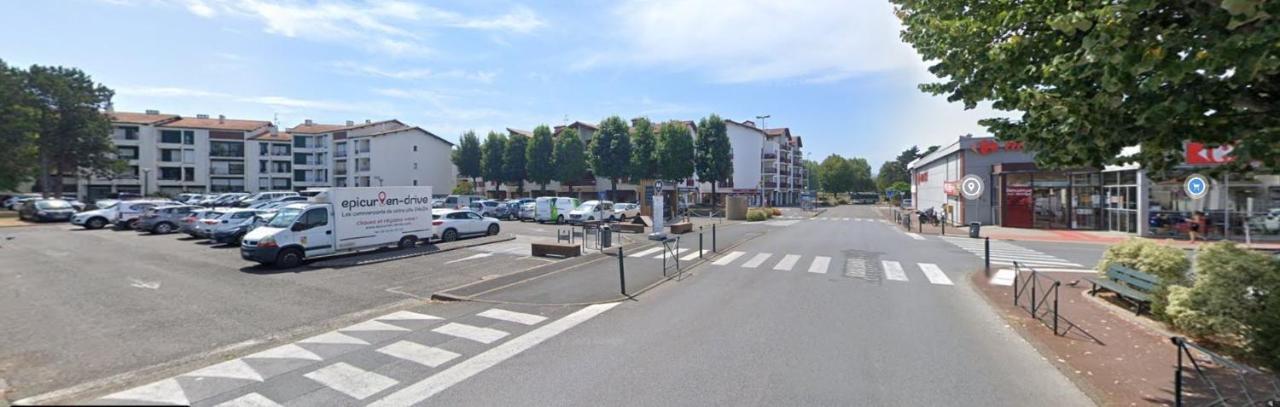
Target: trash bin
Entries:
(606, 237)
(974, 229)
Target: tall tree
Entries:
(514, 163)
(713, 153)
(862, 181)
(75, 136)
(896, 171)
(1087, 79)
(811, 172)
(570, 157)
(539, 164)
(467, 156)
(610, 152)
(643, 164)
(18, 129)
(836, 174)
(491, 155)
(675, 153)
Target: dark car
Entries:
(164, 219)
(46, 210)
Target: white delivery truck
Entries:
(553, 209)
(341, 220)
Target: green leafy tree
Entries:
(609, 154)
(539, 165)
(18, 129)
(862, 181)
(643, 163)
(74, 134)
(675, 153)
(892, 172)
(1088, 79)
(467, 156)
(491, 154)
(811, 170)
(514, 163)
(836, 175)
(570, 157)
(713, 153)
(463, 188)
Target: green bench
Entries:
(1132, 285)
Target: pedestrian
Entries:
(1195, 227)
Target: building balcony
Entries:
(768, 156)
(770, 184)
(340, 153)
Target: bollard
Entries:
(1177, 374)
(622, 272)
(944, 227)
(920, 226)
(1056, 284)
(986, 249)
(713, 238)
(699, 242)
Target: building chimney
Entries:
(351, 123)
(749, 123)
(202, 116)
(153, 112)
(222, 119)
(306, 122)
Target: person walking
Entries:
(1196, 226)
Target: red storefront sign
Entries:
(988, 146)
(922, 178)
(1202, 154)
(951, 188)
(1018, 207)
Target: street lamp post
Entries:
(146, 176)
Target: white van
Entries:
(553, 209)
(592, 211)
(265, 197)
(342, 220)
(460, 201)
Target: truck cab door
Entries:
(315, 232)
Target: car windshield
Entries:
(53, 204)
(587, 207)
(285, 217)
(107, 205)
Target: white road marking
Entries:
(475, 333)
(934, 274)
(728, 258)
(373, 325)
(417, 353)
(512, 316)
(334, 337)
(756, 261)
(166, 391)
(1003, 277)
(844, 219)
(820, 264)
(422, 390)
(231, 369)
(250, 400)
(406, 316)
(664, 253)
(289, 351)
(893, 271)
(645, 252)
(787, 262)
(915, 236)
(351, 380)
(471, 257)
(694, 255)
(151, 285)
(1033, 261)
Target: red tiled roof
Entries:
(140, 118)
(268, 136)
(520, 132)
(317, 128)
(400, 129)
(218, 124)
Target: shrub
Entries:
(775, 212)
(1264, 325)
(1230, 291)
(1168, 263)
(756, 215)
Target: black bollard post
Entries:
(986, 249)
(622, 272)
(713, 238)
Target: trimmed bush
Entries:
(1230, 292)
(1168, 263)
(1264, 325)
(775, 212)
(756, 215)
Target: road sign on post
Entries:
(1196, 186)
(971, 187)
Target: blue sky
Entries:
(833, 71)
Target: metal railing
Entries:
(1244, 396)
(670, 256)
(1042, 288)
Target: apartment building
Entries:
(387, 152)
(768, 165)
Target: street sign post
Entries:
(971, 187)
(1196, 186)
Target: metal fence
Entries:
(1229, 383)
(1034, 293)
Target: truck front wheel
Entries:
(288, 258)
(407, 242)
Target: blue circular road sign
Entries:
(1197, 186)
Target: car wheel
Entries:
(613, 218)
(133, 224)
(449, 235)
(407, 242)
(288, 258)
(493, 229)
(559, 219)
(162, 228)
(95, 223)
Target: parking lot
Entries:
(111, 301)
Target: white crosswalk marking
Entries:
(166, 391)
(418, 353)
(373, 325)
(694, 255)
(289, 351)
(1006, 253)
(1003, 277)
(512, 316)
(249, 400)
(351, 380)
(820, 264)
(475, 333)
(787, 262)
(406, 316)
(645, 252)
(665, 253)
(844, 219)
(915, 236)
(334, 338)
(893, 271)
(756, 261)
(728, 258)
(934, 274)
(231, 369)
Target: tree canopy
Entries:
(895, 171)
(57, 120)
(539, 164)
(1088, 79)
(513, 161)
(18, 129)
(492, 152)
(467, 156)
(714, 154)
(570, 156)
(836, 174)
(675, 151)
(609, 154)
(643, 162)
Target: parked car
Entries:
(553, 209)
(46, 210)
(186, 197)
(592, 210)
(127, 212)
(460, 201)
(489, 207)
(231, 199)
(102, 203)
(97, 218)
(15, 202)
(624, 211)
(164, 219)
(450, 224)
(232, 226)
(437, 203)
(265, 197)
(202, 225)
(527, 210)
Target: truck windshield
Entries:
(285, 217)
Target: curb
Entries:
(506, 238)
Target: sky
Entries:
(833, 71)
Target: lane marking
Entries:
(472, 257)
(645, 252)
(250, 400)
(694, 255)
(351, 380)
(166, 391)
(1003, 277)
(231, 369)
(424, 389)
(664, 253)
(512, 316)
(934, 274)
(289, 351)
(787, 262)
(893, 271)
(418, 353)
(728, 258)
(406, 316)
(475, 333)
(915, 236)
(820, 264)
(756, 261)
(373, 325)
(334, 337)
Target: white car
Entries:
(527, 210)
(592, 211)
(624, 211)
(450, 224)
(1271, 222)
(97, 218)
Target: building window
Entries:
(262, 166)
(299, 175)
(280, 149)
(415, 182)
(300, 141)
(415, 149)
(263, 149)
(189, 156)
(170, 174)
(226, 185)
(280, 183)
(226, 149)
(127, 152)
(189, 137)
(128, 133)
(171, 136)
(264, 182)
(281, 167)
(170, 155)
(188, 174)
(415, 166)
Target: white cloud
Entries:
(277, 102)
(200, 8)
(754, 40)
(415, 73)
